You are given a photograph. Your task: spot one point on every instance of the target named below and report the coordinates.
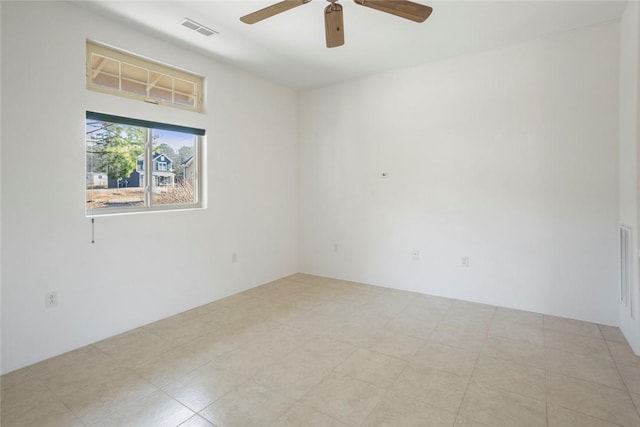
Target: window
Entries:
(120, 73)
(117, 152)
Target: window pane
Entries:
(161, 87)
(106, 80)
(134, 79)
(160, 81)
(105, 72)
(113, 152)
(131, 72)
(184, 93)
(182, 99)
(173, 168)
(134, 87)
(185, 87)
(162, 94)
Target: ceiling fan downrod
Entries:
(334, 5)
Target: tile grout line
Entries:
(60, 398)
(597, 384)
(333, 371)
(622, 377)
(475, 365)
(179, 403)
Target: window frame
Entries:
(150, 66)
(147, 184)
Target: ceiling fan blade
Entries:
(405, 9)
(333, 24)
(272, 10)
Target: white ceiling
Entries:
(290, 49)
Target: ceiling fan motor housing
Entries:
(333, 24)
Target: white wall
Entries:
(508, 157)
(128, 277)
(629, 141)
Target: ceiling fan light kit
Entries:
(333, 21)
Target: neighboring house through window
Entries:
(188, 168)
(162, 172)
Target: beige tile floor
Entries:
(311, 351)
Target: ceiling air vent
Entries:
(193, 25)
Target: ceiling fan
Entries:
(333, 14)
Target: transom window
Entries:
(118, 180)
(116, 72)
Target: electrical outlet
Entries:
(51, 299)
(415, 255)
(234, 257)
(465, 261)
